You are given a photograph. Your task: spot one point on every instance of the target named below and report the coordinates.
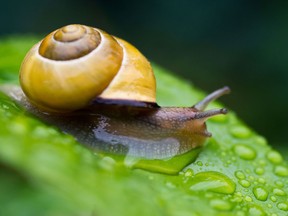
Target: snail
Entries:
(102, 90)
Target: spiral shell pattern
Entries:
(77, 64)
(69, 42)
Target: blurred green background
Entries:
(242, 44)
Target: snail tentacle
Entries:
(201, 105)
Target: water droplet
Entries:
(189, 172)
(260, 193)
(245, 152)
(221, 205)
(281, 170)
(262, 180)
(261, 141)
(278, 192)
(259, 171)
(199, 163)
(274, 157)
(107, 163)
(256, 211)
(269, 205)
(244, 183)
(282, 206)
(247, 171)
(240, 131)
(237, 197)
(212, 181)
(279, 184)
(238, 193)
(274, 214)
(262, 162)
(240, 175)
(248, 199)
(273, 198)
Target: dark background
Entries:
(242, 44)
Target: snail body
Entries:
(104, 94)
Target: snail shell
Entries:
(76, 64)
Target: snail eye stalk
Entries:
(201, 105)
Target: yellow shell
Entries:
(76, 64)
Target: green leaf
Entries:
(46, 172)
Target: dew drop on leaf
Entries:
(259, 171)
(262, 180)
(244, 183)
(261, 141)
(282, 206)
(278, 192)
(274, 157)
(279, 184)
(199, 163)
(256, 211)
(212, 181)
(248, 199)
(245, 152)
(273, 198)
(240, 131)
(240, 175)
(260, 193)
(251, 178)
(281, 171)
(220, 204)
(189, 172)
